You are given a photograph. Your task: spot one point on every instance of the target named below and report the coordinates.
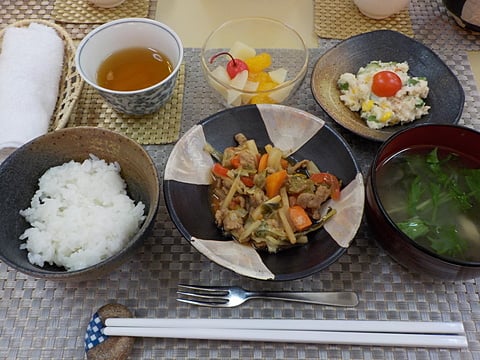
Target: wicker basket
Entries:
(70, 82)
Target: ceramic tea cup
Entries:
(106, 3)
(122, 34)
(380, 9)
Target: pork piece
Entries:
(240, 138)
(229, 220)
(219, 190)
(313, 201)
(247, 160)
(238, 202)
(256, 198)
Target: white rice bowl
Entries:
(80, 215)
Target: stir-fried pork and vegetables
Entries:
(264, 199)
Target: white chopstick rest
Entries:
(380, 333)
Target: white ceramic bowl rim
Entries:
(288, 83)
(113, 23)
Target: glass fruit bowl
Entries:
(254, 60)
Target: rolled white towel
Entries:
(31, 63)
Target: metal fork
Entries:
(230, 296)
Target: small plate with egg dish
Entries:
(377, 83)
(267, 191)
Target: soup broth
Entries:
(133, 69)
(433, 196)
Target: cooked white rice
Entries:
(80, 215)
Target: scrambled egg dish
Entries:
(384, 94)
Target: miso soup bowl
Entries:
(121, 34)
(418, 259)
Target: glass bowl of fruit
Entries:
(254, 60)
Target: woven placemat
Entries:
(82, 12)
(341, 19)
(162, 127)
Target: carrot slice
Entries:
(299, 218)
(247, 180)
(262, 164)
(274, 182)
(235, 161)
(219, 170)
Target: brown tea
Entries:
(133, 69)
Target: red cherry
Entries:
(234, 66)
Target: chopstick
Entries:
(375, 326)
(353, 332)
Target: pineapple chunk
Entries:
(242, 51)
(240, 80)
(278, 75)
(250, 86)
(221, 74)
(234, 97)
(281, 94)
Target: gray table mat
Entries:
(42, 319)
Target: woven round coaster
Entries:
(161, 127)
(82, 12)
(341, 19)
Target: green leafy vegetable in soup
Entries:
(434, 197)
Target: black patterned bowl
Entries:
(188, 175)
(466, 13)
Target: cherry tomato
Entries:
(234, 66)
(386, 83)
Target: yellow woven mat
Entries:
(82, 12)
(341, 19)
(161, 127)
